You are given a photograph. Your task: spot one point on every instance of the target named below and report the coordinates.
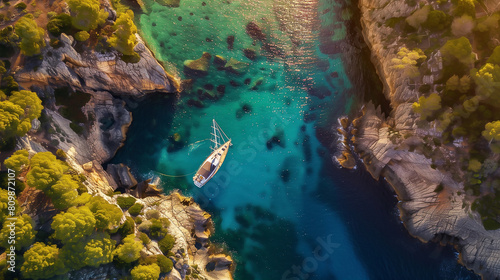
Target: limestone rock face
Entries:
(102, 141)
(90, 70)
(428, 215)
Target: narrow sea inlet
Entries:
(280, 74)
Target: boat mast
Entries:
(215, 139)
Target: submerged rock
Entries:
(198, 67)
(220, 60)
(250, 53)
(254, 31)
(230, 42)
(236, 66)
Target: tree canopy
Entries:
(18, 160)
(64, 192)
(25, 234)
(123, 39)
(94, 250)
(487, 80)
(45, 171)
(427, 106)
(130, 250)
(42, 261)
(146, 272)
(107, 215)
(32, 36)
(407, 61)
(18, 111)
(419, 16)
(4, 206)
(87, 14)
(73, 225)
(459, 49)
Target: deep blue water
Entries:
(282, 208)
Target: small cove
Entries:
(278, 196)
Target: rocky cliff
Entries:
(386, 145)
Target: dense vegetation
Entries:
(462, 100)
(81, 230)
(87, 231)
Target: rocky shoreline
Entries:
(430, 215)
(110, 85)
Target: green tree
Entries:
(146, 272)
(135, 209)
(487, 80)
(427, 106)
(465, 7)
(408, 60)
(419, 16)
(492, 131)
(30, 103)
(461, 85)
(166, 244)
(94, 250)
(164, 263)
(462, 26)
(459, 49)
(130, 250)
(495, 56)
(87, 14)
(74, 224)
(4, 205)
(10, 119)
(42, 261)
(59, 24)
(128, 227)
(25, 235)
(32, 36)
(18, 111)
(64, 192)
(45, 171)
(125, 201)
(82, 36)
(123, 39)
(107, 215)
(488, 23)
(18, 161)
(436, 21)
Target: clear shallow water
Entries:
(282, 207)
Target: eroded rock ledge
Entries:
(428, 215)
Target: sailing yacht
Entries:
(214, 161)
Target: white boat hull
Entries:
(211, 165)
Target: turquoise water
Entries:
(279, 203)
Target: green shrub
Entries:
(153, 214)
(125, 201)
(159, 227)
(135, 209)
(61, 155)
(128, 227)
(144, 227)
(489, 224)
(32, 36)
(166, 244)
(144, 238)
(76, 128)
(164, 263)
(146, 272)
(82, 36)
(20, 6)
(59, 24)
